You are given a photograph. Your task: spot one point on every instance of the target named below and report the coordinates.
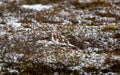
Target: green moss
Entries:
(110, 27)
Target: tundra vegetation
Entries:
(59, 37)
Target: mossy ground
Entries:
(80, 32)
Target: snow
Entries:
(13, 71)
(12, 21)
(13, 57)
(84, 1)
(2, 33)
(0, 2)
(0, 67)
(64, 13)
(15, 25)
(114, 57)
(38, 7)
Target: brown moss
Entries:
(93, 18)
(42, 1)
(37, 69)
(1, 11)
(25, 21)
(85, 5)
(116, 66)
(90, 69)
(3, 22)
(117, 35)
(110, 52)
(108, 14)
(12, 6)
(108, 29)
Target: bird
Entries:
(59, 39)
(54, 36)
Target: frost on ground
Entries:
(37, 7)
(59, 37)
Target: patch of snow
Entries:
(2, 33)
(50, 59)
(76, 67)
(0, 19)
(0, 67)
(12, 21)
(64, 13)
(15, 25)
(116, 57)
(55, 73)
(13, 71)
(38, 7)
(0, 2)
(111, 73)
(96, 49)
(106, 18)
(84, 1)
(13, 57)
(66, 22)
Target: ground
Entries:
(62, 37)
